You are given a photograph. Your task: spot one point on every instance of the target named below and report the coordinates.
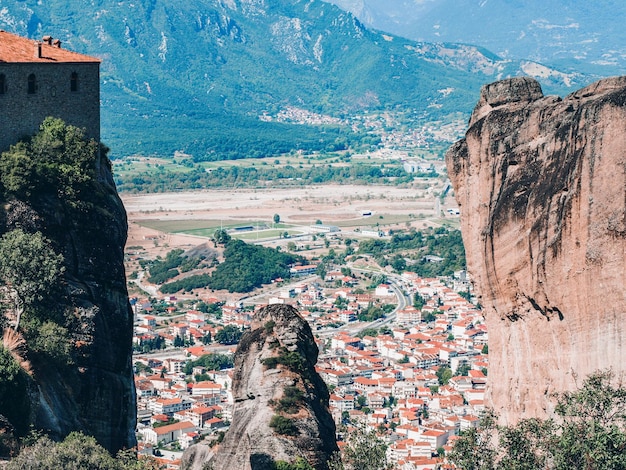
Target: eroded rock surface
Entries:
(278, 354)
(541, 184)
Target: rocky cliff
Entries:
(281, 403)
(76, 332)
(541, 184)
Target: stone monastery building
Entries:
(40, 79)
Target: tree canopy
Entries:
(29, 264)
(57, 160)
(587, 433)
(245, 267)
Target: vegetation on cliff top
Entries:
(58, 161)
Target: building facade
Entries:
(40, 79)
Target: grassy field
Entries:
(262, 234)
(206, 227)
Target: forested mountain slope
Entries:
(199, 76)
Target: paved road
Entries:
(395, 282)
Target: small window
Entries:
(3, 84)
(74, 82)
(32, 84)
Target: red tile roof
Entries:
(18, 49)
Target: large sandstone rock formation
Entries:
(90, 389)
(541, 184)
(278, 355)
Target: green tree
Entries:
(283, 425)
(428, 317)
(210, 362)
(58, 160)
(398, 263)
(593, 420)
(361, 401)
(53, 340)
(321, 271)
(444, 374)
(588, 433)
(363, 450)
(367, 332)
(228, 335)
(475, 449)
(526, 445)
(276, 218)
(29, 269)
(75, 452)
(299, 464)
(14, 402)
(418, 301)
(463, 369)
(221, 237)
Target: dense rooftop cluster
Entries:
(415, 376)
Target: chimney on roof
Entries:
(37, 50)
(57, 43)
(47, 40)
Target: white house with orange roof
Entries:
(160, 383)
(376, 399)
(404, 389)
(477, 406)
(468, 422)
(409, 315)
(338, 378)
(207, 390)
(365, 385)
(198, 415)
(342, 403)
(195, 352)
(340, 341)
(436, 438)
(474, 395)
(175, 366)
(168, 433)
(384, 290)
(168, 406)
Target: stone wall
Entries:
(21, 112)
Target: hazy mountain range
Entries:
(209, 77)
(585, 36)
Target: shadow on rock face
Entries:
(262, 461)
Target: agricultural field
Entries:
(160, 222)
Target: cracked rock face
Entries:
(278, 353)
(541, 184)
